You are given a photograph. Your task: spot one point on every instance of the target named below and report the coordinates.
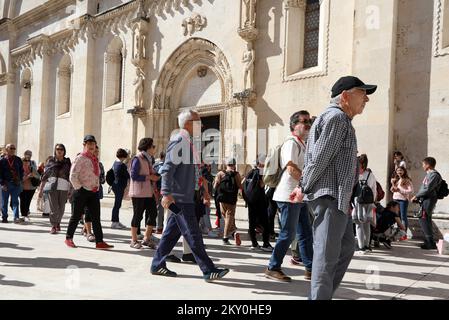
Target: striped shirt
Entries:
(330, 164)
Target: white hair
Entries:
(336, 100)
(185, 116)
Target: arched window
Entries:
(311, 33)
(25, 96)
(113, 73)
(64, 86)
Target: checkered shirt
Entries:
(330, 166)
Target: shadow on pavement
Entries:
(53, 263)
(14, 246)
(14, 283)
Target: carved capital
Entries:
(295, 4)
(248, 34)
(246, 98)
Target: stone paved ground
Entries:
(37, 265)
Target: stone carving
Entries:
(248, 60)
(295, 4)
(202, 71)
(249, 16)
(190, 52)
(193, 24)
(247, 29)
(138, 91)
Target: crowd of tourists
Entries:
(324, 194)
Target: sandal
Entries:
(135, 245)
(90, 238)
(149, 243)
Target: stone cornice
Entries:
(40, 12)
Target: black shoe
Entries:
(163, 272)
(188, 258)
(368, 249)
(173, 258)
(226, 241)
(376, 244)
(426, 246)
(4, 220)
(45, 215)
(215, 274)
(387, 244)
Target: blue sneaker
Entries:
(215, 274)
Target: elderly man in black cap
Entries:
(329, 175)
(84, 176)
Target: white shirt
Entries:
(63, 184)
(293, 151)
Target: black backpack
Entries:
(363, 192)
(252, 192)
(443, 190)
(227, 189)
(110, 177)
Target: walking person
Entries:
(228, 183)
(87, 218)
(254, 195)
(11, 176)
(56, 184)
(142, 192)
(30, 182)
(121, 179)
(180, 174)
(428, 197)
(160, 210)
(85, 178)
(402, 188)
(294, 216)
(363, 211)
(329, 176)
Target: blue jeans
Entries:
(186, 224)
(119, 193)
(294, 219)
(13, 191)
(403, 204)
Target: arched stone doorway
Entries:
(196, 75)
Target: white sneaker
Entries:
(117, 225)
(27, 219)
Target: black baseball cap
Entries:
(350, 82)
(88, 138)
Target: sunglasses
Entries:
(12, 148)
(59, 149)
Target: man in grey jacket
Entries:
(427, 196)
(181, 173)
(329, 175)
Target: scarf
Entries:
(94, 160)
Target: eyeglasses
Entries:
(12, 148)
(306, 122)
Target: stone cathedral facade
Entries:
(123, 70)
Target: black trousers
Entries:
(258, 215)
(25, 201)
(141, 205)
(82, 199)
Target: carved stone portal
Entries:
(193, 24)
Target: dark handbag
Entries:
(35, 182)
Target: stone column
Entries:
(86, 118)
(8, 112)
